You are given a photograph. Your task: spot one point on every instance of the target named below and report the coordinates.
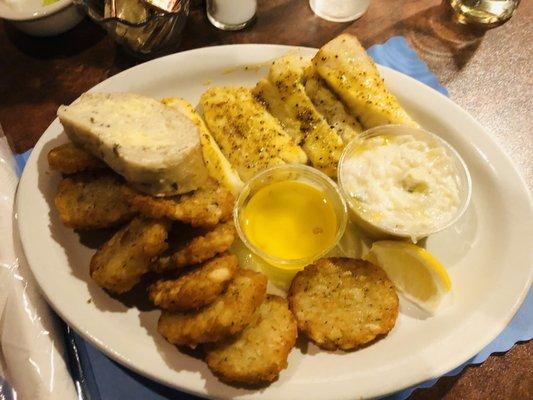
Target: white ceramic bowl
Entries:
(35, 19)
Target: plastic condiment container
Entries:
(371, 226)
(299, 173)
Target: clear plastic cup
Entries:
(291, 172)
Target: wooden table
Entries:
(487, 73)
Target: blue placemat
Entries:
(103, 379)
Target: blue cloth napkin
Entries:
(103, 379)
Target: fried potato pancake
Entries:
(199, 249)
(228, 315)
(260, 351)
(86, 201)
(196, 288)
(69, 159)
(343, 303)
(122, 260)
(204, 207)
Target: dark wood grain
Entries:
(487, 73)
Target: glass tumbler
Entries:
(339, 10)
(231, 15)
(486, 13)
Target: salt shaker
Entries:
(231, 15)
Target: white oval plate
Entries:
(487, 253)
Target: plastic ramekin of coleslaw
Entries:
(403, 182)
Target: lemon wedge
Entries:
(414, 270)
(217, 164)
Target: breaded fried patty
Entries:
(229, 314)
(69, 159)
(86, 201)
(199, 249)
(196, 288)
(205, 207)
(119, 264)
(342, 303)
(260, 351)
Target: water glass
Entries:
(486, 13)
(339, 10)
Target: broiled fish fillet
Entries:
(247, 134)
(268, 95)
(333, 110)
(217, 164)
(322, 144)
(350, 72)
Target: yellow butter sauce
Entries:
(290, 220)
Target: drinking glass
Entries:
(231, 15)
(339, 10)
(487, 13)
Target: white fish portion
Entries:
(350, 72)
(322, 144)
(333, 110)
(250, 138)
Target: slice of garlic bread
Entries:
(350, 72)
(217, 164)
(155, 148)
(327, 104)
(247, 134)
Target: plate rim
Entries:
(124, 360)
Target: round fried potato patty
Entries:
(343, 303)
(69, 159)
(196, 288)
(87, 201)
(121, 262)
(260, 351)
(229, 314)
(205, 207)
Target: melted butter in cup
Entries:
(290, 220)
(289, 216)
